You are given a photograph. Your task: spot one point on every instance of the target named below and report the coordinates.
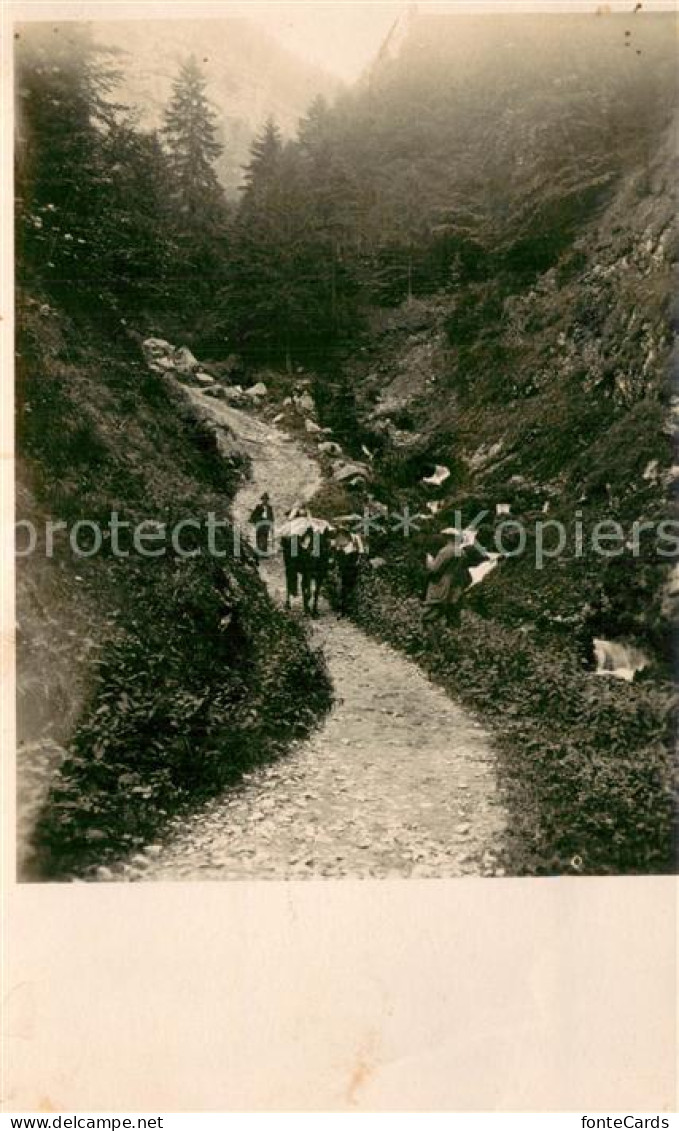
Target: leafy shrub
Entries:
(202, 680)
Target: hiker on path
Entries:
(262, 518)
(450, 577)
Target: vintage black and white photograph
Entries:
(345, 451)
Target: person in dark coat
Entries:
(349, 553)
(262, 518)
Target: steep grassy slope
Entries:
(145, 682)
(551, 398)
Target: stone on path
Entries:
(369, 794)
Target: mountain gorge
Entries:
(463, 267)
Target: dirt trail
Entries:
(398, 781)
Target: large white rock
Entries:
(438, 477)
(234, 393)
(184, 361)
(256, 391)
(305, 402)
(205, 379)
(162, 365)
(157, 347)
(618, 659)
(159, 354)
(480, 571)
(311, 426)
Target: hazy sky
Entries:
(342, 36)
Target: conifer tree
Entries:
(64, 112)
(263, 169)
(190, 135)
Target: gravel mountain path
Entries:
(398, 781)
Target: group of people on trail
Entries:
(311, 546)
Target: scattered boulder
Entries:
(162, 357)
(184, 361)
(235, 394)
(158, 354)
(343, 472)
(205, 379)
(330, 448)
(311, 426)
(480, 571)
(256, 391)
(305, 403)
(618, 659)
(155, 347)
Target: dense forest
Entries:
(468, 253)
(443, 165)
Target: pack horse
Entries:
(307, 551)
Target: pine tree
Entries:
(64, 114)
(190, 135)
(263, 168)
(288, 295)
(92, 218)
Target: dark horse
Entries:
(307, 552)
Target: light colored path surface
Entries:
(398, 781)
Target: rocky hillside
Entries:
(549, 400)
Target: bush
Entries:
(203, 680)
